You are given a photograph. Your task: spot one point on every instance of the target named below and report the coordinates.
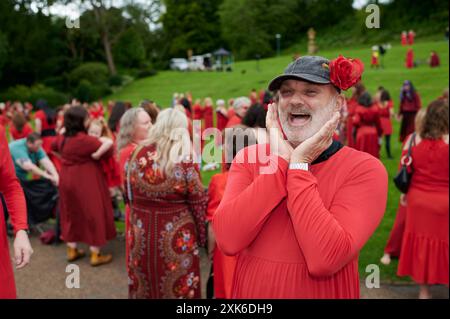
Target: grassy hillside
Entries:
(248, 75)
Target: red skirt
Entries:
(424, 252)
(223, 266)
(163, 256)
(367, 140)
(7, 285)
(394, 243)
(408, 126)
(386, 125)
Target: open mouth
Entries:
(299, 118)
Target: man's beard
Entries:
(318, 118)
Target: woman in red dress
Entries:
(19, 128)
(394, 243)
(352, 103)
(197, 110)
(85, 205)
(208, 113)
(434, 59)
(368, 126)
(134, 129)
(223, 265)
(424, 252)
(404, 38)
(386, 111)
(411, 35)
(409, 58)
(15, 201)
(410, 104)
(222, 115)
(167, 218)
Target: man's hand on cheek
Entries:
(278, 145)
(312, 147)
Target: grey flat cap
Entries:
(307, 68)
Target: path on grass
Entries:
(46, 277)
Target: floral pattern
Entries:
(167, 225)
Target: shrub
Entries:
(24, 93)
(94, 72)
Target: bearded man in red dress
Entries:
(297, 212)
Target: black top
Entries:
(330, 151)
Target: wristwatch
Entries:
(300, 166)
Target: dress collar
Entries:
(330, 151)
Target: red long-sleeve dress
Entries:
(223, 265)
(394, 243)
(408, 110)
(167, 222)
(222, 120)
(26, 130)
(197, 112)
(85, 204)
(298, 233)
(368, 129)
(425, 249)
(15, 201)
(124, 157)
(208, 116)
(404, 39)
(409, 59)
(385, 118)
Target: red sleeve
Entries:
(92, 144)
(214, 198)
(10, 187)
(330, 239)
(197, 200)
(236, 223)
(356, 119)
(418, 102)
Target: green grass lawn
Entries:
(429, 83)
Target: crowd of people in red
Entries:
(128, 157)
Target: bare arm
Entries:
(107, 143)
(30, 167)
(50, 169)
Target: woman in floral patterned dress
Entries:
(167, 219)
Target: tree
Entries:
(3, 51)
(129, 50)
(191, 24)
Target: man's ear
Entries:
(340, 102)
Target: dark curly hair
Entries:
(435, 123)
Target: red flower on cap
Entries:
(345, 72)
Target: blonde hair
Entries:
(418, 121)
(165, 135)
(127, 124)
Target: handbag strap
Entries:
(411, 144)
(133, 157)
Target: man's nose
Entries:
(297, 98)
